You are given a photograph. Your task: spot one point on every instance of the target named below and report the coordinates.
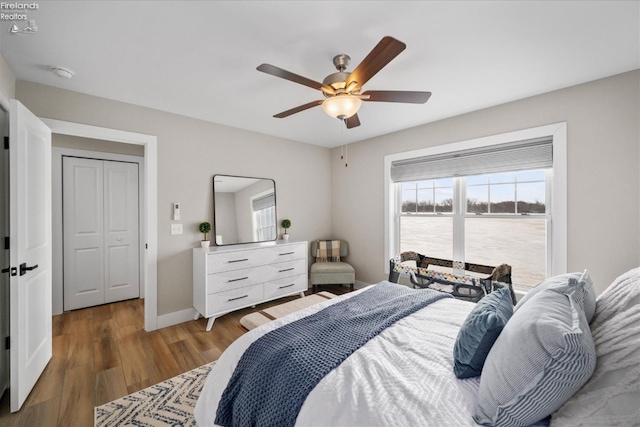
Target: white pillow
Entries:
(578, 285)
(543, 356)
(612, 395)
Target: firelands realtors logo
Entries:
(17, 13)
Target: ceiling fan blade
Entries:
(287, 75)
(384, 52)
(297, 109)
(352, 121)
(409, 97)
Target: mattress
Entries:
(403, 376)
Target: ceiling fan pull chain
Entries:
(346, 155)
(342, 140)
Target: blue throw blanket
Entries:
(278, 371)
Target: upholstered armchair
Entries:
(332, 273)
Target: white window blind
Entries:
(264, 202)
(521, 155)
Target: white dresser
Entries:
(228, 278)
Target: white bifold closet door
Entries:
(100, 221)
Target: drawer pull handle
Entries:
(237, 280)
(286, 286)
(287, 253)
(238, 260)
(233, 299)
(286, 269)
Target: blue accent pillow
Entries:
(479, 331)
(543, 356)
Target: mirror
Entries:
(244, 210)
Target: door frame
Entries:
(5, 324)
(150, 212)
(57, 154)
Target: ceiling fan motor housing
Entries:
(338, 80)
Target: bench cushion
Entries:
(327, 273)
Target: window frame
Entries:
(556, 193)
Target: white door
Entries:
(100, 221)
(30, 250)
(82, 226)
(122, 279)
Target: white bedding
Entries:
(402, 377)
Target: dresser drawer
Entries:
(279, 287)
(282, 253)
(281, 270)
(227, 280)
(229, 300)
(236, 260)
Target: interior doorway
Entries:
(101, 225)
(148, 272)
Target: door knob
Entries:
(24, 268)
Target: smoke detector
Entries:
(63, 73)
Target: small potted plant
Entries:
(286, 223)
(204, 228)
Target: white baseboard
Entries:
(176, 317)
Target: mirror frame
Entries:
(275, 201)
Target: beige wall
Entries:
(190, 152)
(7, 80)
(603, 173)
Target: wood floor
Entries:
(103, 353)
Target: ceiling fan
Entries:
(343, 90)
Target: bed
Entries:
(404, 376)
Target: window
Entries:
(502, 219)
(487, 201)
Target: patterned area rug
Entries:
(169, 403)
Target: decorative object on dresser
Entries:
(230, 278)
(337, 272)
(204, 228)
(286, 224)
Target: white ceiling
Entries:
(199, 58)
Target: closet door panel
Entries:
(122, 280)
(83, 208)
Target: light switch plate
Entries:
(176, 228)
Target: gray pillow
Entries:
(479, 331)
(543, 356)
(578, 285)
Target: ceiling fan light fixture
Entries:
(341, 106)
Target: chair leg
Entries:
(313, 289)
(351, 287)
